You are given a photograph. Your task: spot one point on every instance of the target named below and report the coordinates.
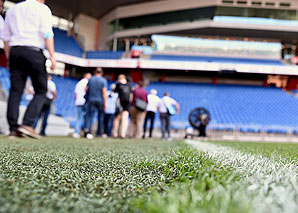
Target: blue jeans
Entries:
(80, 119)
(92, 108)
(108, 123)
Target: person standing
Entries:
(110, 111)
(80, 103)
(123, 88)
(153, 101)
(46, 109)
(96, 94)
(27, 31)
(166, 102)
(138, 110)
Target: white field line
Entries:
(273, 184)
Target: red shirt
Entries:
(140, 93)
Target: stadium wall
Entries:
(156, 7)
(87, 29)
(146, 9)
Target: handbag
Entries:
(171, 109)
(140, 104)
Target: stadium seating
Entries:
(233, 104)
(4, 79)
(229, 105)
(216, 59)
(66, 44)
(104, 55)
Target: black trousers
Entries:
(165, 121)
(149, 116)
(24, 62)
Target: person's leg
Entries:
(45, 119)
(79, 119)
(100, 116)
(116, 126)
(36, 120)
(18, 78)
(152, 119)
(37, 71)
(132, 124)
(110, 125)
(163, 124)
(140, 116)
(106, 123)
(168, 125)
(91, 112)
(85, 116)
(124, 123)
(145, 124)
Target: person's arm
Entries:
(49, 42)
(54, 92)
(6, 35)
(46, 29)
(6, 49)
(177, 108)
(105, 97)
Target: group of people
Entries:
(26, 32)
(121, 111)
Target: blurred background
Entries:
(236, 58)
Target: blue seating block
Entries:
(104, 54)
(216, 59)
(66, 44)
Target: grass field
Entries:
(106, 175)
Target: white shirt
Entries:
(111, 102)
(51, 89)
(165, 102)
(27, 24)
(1, 27)
(80, 92)
(153, 101)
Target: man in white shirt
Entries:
(46, 109)
(80, 101)
(153, 101)
(27, 31)
(164, 106)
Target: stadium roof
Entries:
(93, 8)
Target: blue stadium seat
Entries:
(104, 55)
(66, 44)
(216, 59)
(229, 105)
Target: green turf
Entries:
(280, 150)
(64, 174)
(107, 175)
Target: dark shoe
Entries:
(29, 131)
(16, 134)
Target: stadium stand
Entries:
(234, 105)
(104, 55)
(255, 20)
(66, 44)
(216, 59)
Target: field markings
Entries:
(272, 184)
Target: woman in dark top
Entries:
(123, 88)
